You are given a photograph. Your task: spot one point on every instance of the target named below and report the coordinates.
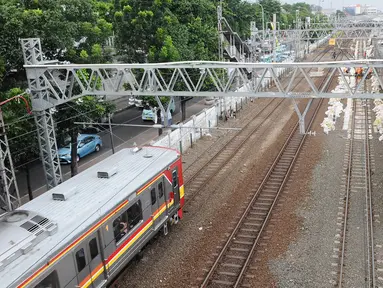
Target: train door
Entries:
(175, 185)
(158, 203)
(81, 256)
(161, 200)
(96, 259)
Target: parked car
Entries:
(86, 144)
(148, 113)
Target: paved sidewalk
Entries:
(144, 138)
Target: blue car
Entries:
(86, 144)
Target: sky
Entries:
(338, 4)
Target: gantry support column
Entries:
(42, 109)
(9, 192)
(302, 116)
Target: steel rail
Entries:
(215, 265)
(348, 184)
(370, 231)
(244, 268)
(370, 261)
(219, 152)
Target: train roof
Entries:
(38, 230)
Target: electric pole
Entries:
(9, 191)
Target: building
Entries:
(352, 10)
(369, 10)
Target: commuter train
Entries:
(84, 231)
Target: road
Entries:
(120, 136)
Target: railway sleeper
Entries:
(269, 191)
(277, 176)
(243, 242)
(271, 185)
(253, 224)
(221, 282)
(258, 213)
(263, 201)
(249, 230)
(260, 219)
(246, 236)
(231, 265)
(227, 273)
(258, 208)
(267, 195)
(246, 250)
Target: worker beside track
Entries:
(358, 74)
(367, 81)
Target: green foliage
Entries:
(59, 24)
(20, 129)
(145, 31)
(151, 100)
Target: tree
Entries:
(59, 24)
(20, 129)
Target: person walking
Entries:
(169, 118)
(367, 82)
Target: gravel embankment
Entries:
(302, 240)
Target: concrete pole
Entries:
(111, 133)
(274, 38)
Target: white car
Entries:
(148, 113)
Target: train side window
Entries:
(127, 220)
(160, 190)
(93, 248)
(50, 281)
(134, 214)
(153, 196)
(175, 178)
(120, 226)
(80, 259)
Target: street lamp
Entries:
(263, 19)
(297, 18)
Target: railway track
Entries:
(227, 152)
(218, 161)
(221, 158)
(230, 266)
(357, 242)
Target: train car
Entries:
(84, 231)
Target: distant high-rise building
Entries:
(357, 9)
(352, 10)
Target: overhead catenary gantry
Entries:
(195, 79)
(54, 84)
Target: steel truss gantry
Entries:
(62, 83)
(320, 33)
(344, 29)
(54, 84)
(9, 192)
(40, 93)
